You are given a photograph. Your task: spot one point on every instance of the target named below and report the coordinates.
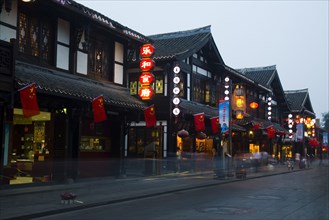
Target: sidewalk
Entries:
(37, 201)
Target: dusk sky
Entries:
(293, 35)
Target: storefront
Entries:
(63, 142)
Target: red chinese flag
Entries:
(149, 115)
(29, 100)
(199, 122)
(256, 126)
(270, 132)
(98, 109)
(214, 122)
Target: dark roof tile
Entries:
(73, 86)
(171, 45)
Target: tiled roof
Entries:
(72, 86)
(261, 75)
(298, 99)
(182, 43)
(98, 17)
(263, 123)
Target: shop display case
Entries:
(94, 143)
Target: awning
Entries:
(67, 85)
(191, 108)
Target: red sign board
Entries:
(146, 78)
(146, 64)
(146, 50)
(145, 92)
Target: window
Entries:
(35, 37)
(98, 59)
(204, 91)
(158, 84)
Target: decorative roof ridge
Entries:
(94, 15)
(178, 34)
(252, 69)
(296, 91)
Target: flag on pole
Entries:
(199, 122)
(270, 132)
(29, 100)
(149, 115)
(214, 122)
(98, 109)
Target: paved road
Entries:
(38, 201)
(295, 195)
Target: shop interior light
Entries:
(226, 98)
(227, 79)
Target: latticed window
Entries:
(133, 88)
(158, 84)
(34, 37)
(98, 58)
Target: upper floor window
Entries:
(35, 37)
(98, 59)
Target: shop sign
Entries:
(146, 50)
(146, 78)
(146, 64)
(145, 92)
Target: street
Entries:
(295, 195)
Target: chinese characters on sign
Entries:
(146, 78)
(224, 116)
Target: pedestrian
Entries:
(178, 159)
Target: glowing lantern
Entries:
(145, 92)
(239, 114)
(146, 78)
(146, 64)
(239, 103)
(146, 50)
(253, 105)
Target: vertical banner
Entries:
(325, 139)
(149, 114)
(98, 109)
(214, 122)
(29, 101)
(224, 116)
(199, 122)
(299, 132)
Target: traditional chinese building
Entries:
(72, 54)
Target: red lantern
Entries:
(146, 78)
(145, 93)
(253, 105)
(183, 133)
(201, 135)
(146, 64)
(146, 50)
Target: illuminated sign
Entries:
(146, 64)
(146, 78)
(145, 92)
(146, 50)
